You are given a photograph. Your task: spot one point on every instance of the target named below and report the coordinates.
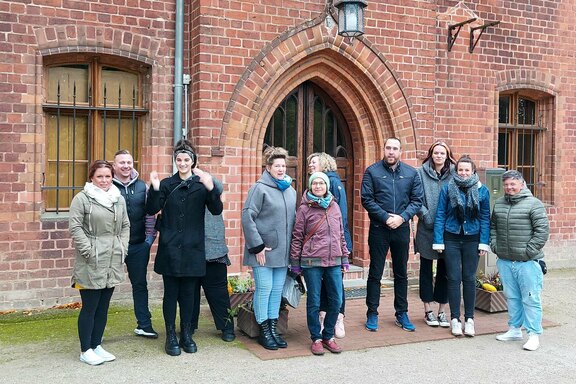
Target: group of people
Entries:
(114, 221)
(455, 227)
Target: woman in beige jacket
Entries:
(100, 230)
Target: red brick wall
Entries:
(243, 58)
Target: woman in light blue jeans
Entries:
(267, 221)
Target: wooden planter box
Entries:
(490, 301)
(237, 299)
(247, 322)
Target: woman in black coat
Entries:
(181, 257)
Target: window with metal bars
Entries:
(93, 106)
(524, 124)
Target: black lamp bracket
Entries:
(474, 40)
(453, 35)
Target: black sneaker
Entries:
(148, 332)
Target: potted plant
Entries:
(489, 293)
(241, 290)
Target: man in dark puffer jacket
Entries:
(518, 231)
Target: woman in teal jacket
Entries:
(462, 231)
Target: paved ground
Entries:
(481, 359)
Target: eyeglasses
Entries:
(316, 183)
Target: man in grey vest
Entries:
(142, 235)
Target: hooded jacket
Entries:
(327, 246)
(267, 221)
(519, 227)
(100, 236)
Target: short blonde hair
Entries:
(327, 162)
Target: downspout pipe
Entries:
(178, 70)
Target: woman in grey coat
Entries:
(434, 173)
(267, 221)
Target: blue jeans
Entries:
(523, 282)
(461, 263)
(331, 278)
(268, 293)
(380, 240)
(137, 266)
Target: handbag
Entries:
(293, 289)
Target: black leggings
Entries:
(93, 316)
(180, 290)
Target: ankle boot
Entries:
(265, 338)
(171, 347)
(186, 342)
(277, 338)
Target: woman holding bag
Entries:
(318, 250)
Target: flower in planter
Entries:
(489, 282)
(240, 284)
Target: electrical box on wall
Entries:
(492, 179)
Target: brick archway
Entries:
(355, 76)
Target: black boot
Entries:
(171, 347)
(186, 342)
(277, 338)
(265, 338)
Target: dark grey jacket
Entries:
(267, 221)
(214, 230)
(386, 191)
(519, 227)
(432, 184)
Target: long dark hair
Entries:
(449, 156)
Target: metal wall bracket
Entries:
(474, 40)
(452, 36)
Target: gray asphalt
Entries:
(481, 359)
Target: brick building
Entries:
(79, 79)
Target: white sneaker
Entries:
(339, 330)
(469, 328)
(533, 343)
(512, 334)
(91, 358)
(105, 355)
(456, 327)
(443, 320)
(321, 316)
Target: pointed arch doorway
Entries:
(309, 121)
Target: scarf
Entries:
(283, 184)
(324, 202)
(471, 206)
(105, 198)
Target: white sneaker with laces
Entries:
(431, 319)
(512, 334)
(443, 320)
(533, 343)
(339, 330)
(456, 327)
(90, 357)
(105, 355)
(469, 328)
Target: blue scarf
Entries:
(324, 202)
(283, 184)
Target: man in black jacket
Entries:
(392, 194)
(142, 235)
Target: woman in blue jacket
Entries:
(462, 231)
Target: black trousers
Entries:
(431, 289)
(93, 316)
(180, 291)
(380, 240)
(215, 285)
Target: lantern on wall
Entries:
(350, 17)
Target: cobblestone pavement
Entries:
(481, 359)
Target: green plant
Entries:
(492, 279)
(240, 284)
